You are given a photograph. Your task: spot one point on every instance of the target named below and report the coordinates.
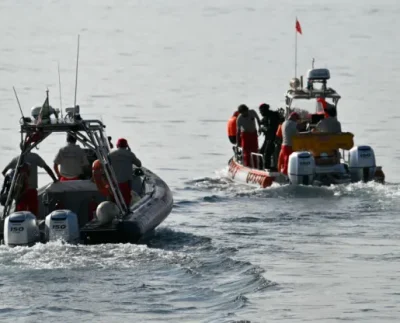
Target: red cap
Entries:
(236, 114)
(294, 115)
(122, 143)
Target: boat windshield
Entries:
(307, 107)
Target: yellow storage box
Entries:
(322, 142)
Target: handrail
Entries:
(258, 160)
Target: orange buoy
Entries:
(100, 179)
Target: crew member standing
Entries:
(29, 198)
(122, 160)
(289, 129)
(247, 136)
(231, 128)
(269, 126)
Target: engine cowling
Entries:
(21, 229)
(362, 164)
(62, 225)
(301, 168)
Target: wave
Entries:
(221, 184)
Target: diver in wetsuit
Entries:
(269, 125)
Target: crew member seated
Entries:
(72, 160)
(329, 123)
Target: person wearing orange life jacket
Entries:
(231, 128)
(247, 136)
(289, 129)
(122, 160)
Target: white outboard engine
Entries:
(301, 169)
(362, 164)
(21, 229)
(62, 225)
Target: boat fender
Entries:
(100, 179)
(106, 212)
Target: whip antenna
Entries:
(16, 96)
(59, 85)
(76, 73)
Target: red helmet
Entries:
(122, 143)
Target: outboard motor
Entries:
(301, 168)
(362, 164)
(62, 225)
(21, 229)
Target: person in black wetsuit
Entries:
(269, 125)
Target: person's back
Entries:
(247, 122)
(34, 161)
(247, 136)
(274, 122)
(29, 198)
(72, 159)
(330, 124)
(122, 161)
(289, 129)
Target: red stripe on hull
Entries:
(254, 176)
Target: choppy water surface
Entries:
(167, 77)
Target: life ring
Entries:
(100, 179)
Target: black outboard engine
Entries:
(6, 186)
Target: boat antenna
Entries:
(76, 74)
(59, 85)
(19, 104)
(312, 64)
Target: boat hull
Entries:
(264, 178)
(153, 207)
(254, 177)
(145, 216)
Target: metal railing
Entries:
(260, 160)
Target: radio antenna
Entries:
(76, 74)
(16, 96)
(59, 85)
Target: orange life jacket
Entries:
(279, 132)
(231, 127)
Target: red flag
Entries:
(298, 27)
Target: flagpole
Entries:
(295, 51)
